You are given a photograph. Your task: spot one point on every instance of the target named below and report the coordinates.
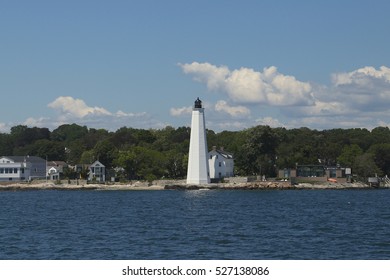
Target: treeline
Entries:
(163, 153)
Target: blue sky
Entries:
(108, 64)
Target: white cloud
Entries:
(228, 125)
(360, 98)
(121, 114)
(246, 85)
(286, 90)
(366, 88)
(362, 76)
(76, 110)
(207, 73)
(76, 107)
(234, 111)
(38, 122)
(321, 109)
(333, 122)
(180, 111)
(4, 127)
(270, 122)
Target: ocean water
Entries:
(276, 224)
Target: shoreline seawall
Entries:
(270, 185)
(180, 185)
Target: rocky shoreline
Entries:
(180, 185)
(269, 185)
(70, 186)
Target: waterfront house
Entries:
(22, 168)
(97, 172)
(316, 173)
(221, 164)
(55, 169)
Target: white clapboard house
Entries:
(221, 163)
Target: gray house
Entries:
(22, 168)
(55, 169)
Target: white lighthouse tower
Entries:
(198, 164)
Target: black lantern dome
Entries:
(198, 103)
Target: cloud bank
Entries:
(360, 98)
(244, 97)
(68, 109)
(71, 109)
(246, 85)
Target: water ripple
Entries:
(195, 225)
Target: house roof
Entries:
(56, 163)
(97, 163)
(223, 153)
(25, 158)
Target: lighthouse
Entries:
(198, 164)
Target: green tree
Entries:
(73, 151)
(94, 136)
(381, 155)
(174, 165)
(165, 139)
(380, 135)
(349, 154)
(258, 154)
(365, 166)
(231, 141)
(22, 135)
(43, 148)
(123, 137)
(6, 144)
(69, 132)
(142, 163)
(87, 157)
(299, 146)
(105, 152)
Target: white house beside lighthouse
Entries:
(198, 165)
